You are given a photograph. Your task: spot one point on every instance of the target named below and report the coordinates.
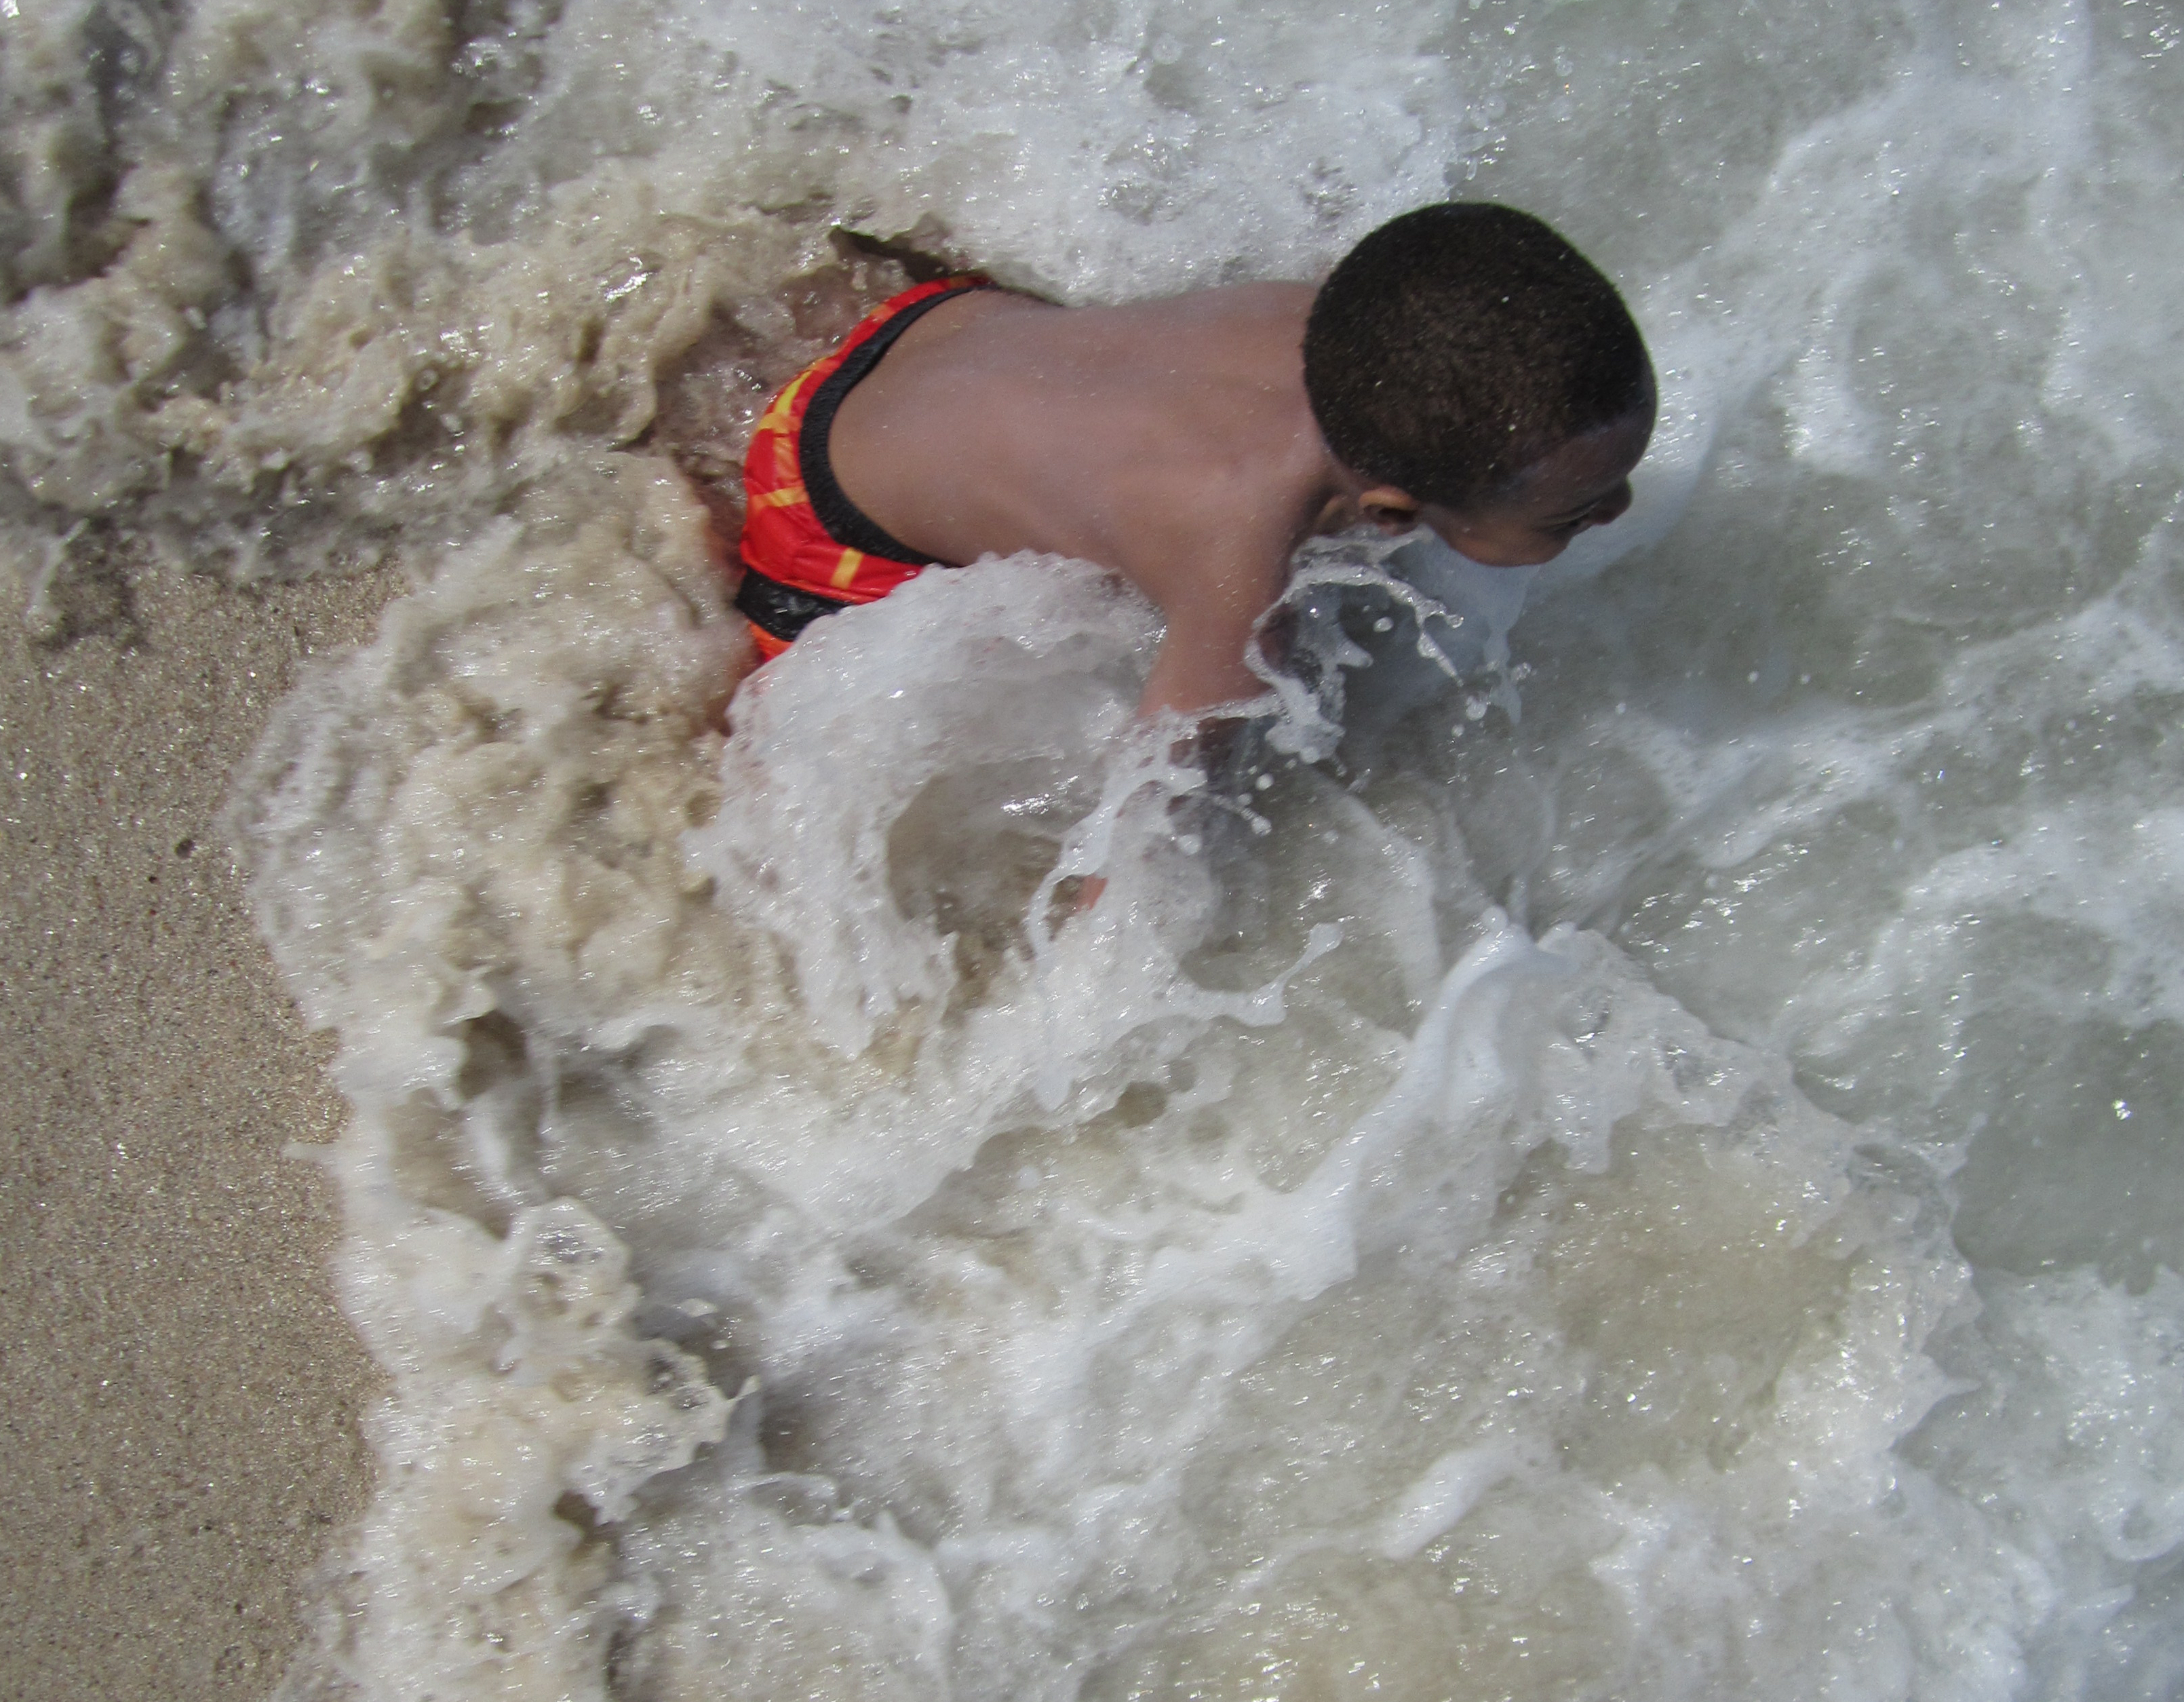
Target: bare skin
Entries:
(1171, 441)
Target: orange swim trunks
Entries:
(807, 549)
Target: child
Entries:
(1464, 368)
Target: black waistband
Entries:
(781, 610)
(845, 522)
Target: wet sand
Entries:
(181, 1394)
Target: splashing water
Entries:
(1674, 1193)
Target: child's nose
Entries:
(1611, 506)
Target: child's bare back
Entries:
(1170, 441)
(1184, 444)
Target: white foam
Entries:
(1449, 1489)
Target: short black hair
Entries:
(1458, 343)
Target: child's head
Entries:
(1460, 346)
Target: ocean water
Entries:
(1629, 1149)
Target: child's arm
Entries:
(1212, 608)
(1212, 599)
(1201, 666)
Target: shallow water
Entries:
(1647, 1170)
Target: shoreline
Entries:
(183, 1439)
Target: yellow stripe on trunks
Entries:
(784, 404)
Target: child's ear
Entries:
(1388, 508)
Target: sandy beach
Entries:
(181, 1431)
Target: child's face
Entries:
(1584, 482)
